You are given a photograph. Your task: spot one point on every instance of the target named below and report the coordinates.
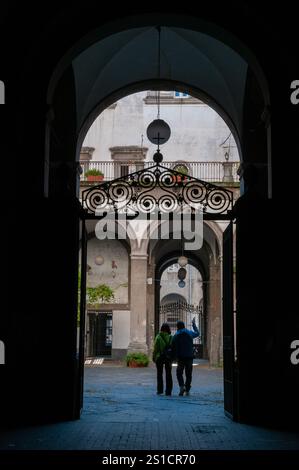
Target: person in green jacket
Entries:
(162, 344)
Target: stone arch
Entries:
(172, 298)
(67, 149)
(171, 19)
(209, 267)
(208, 37)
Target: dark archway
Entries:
(198, 262)
(62, 134)
(172, 297)
(169, 20)
(182, 303)
(210, 37)
(232, 110)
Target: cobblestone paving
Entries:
(122, 411)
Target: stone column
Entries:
(85, 158)
(138, 288)
(227, 172)
(151, 305)
(214, 315)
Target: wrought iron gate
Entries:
(172, 312)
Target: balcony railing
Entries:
(215, 172)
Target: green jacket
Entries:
(162, 340)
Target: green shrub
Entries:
(94, 172)
(102, 293)
(181, 168)
(138, 359)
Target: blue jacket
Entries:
(182, 342)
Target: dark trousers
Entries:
(187, 365)
(160, 388)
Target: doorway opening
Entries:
(100, 332)
(135, 315)
(229, 102)
(183, 303)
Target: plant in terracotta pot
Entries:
(181, 168)
(94, 175)
(137, 359)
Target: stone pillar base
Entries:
(138, 347)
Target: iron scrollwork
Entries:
(156, 187)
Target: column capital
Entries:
(141, 256)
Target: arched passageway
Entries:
(206, 262)
(227, 93)
(104, 144)
(56, 178)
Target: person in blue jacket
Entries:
(182, 346)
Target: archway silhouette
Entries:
(84, 112)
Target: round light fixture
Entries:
(158, 132)
(182, 273)
(182, 284)
(183, 261)
(99, 260)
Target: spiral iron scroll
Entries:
(154, 188)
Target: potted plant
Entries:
(94, 175)
(137, 359)
(181, 168)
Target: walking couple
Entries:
(179, 347)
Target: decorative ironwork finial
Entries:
(158, 157)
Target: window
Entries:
(171, 98)
(180, 94)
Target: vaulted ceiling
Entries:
(188, 57)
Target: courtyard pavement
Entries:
(122, 412)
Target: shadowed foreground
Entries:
(122, 411)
